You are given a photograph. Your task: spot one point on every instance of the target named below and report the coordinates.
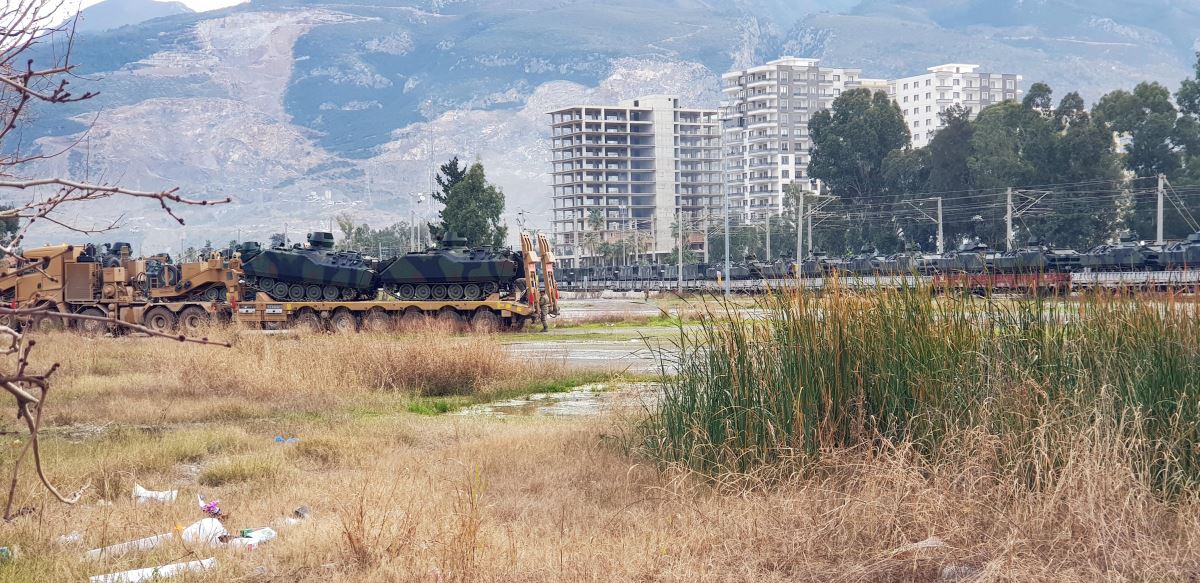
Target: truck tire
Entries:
(193, 318)
(343, 321)
(160, 319)
(308, 321)
(485, 321)
(92, 327)
(377, 320)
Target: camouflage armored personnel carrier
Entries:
(1126, 255)
(452, 271)
(1183, 254)
(312, 273)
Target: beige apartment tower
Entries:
(621, 173)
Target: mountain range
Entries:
(303, 110)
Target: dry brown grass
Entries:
(143, 380)
(402, 497)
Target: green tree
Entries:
(449, 174)
(472, 209)
(852, 139)
(1148, 118)
(1038, 97)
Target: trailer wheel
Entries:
(193, 318)
(376, 320)
(160, 319)
(48, 322)
(343, 322)
(92, 327)
(485, 321)
(309, 321)
(413, 319)
(450, 319)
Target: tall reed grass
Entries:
(839, 370)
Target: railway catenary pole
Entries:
(799, 228)
(768, 259)
(941, 242)
(727, 286)
(1008, 214)
(679, 256)
(1159, 218)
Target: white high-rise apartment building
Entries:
(765, 112)
(922, 97)
(632, 166)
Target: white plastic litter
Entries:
(252, 539)
(141, 544)
(207, 531)
(143, 495)
(163, 571)
(71, 538)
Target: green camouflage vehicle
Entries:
(312, 273)
(452, 271)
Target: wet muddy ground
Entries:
(588, 400)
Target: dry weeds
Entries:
(401, 497)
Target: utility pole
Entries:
(799, 228)
(1161, 195)
(768, 258)
(727, 286)
(941, 246)
(1008, 212)
(679, 256)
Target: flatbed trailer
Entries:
(495, 313)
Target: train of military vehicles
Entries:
(95, 289)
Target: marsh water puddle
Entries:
(584, 401)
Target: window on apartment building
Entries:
(783, 160)
(970, 83)
(785, 118)
(784, 174)
(928, 123)
(984, 96)
(927, 82)
(837, 91)
(928, 108)
(929, 96)
(941, 95)
(837, 77)
(905, 99)
(906, 86)
(917, 123)
(783, 90)
(783, 77)
(1008, 95)
(956, 95)
(1008, 84)
(783, 146)
(956, 82)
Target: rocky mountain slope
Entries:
(300, 111)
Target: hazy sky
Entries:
(197, 5)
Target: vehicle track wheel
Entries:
(265, 283)
(312, 293)
(308, 321)
(160, 320)
(343, 322)
(92, 327)
(296, 292)
(377, 320)
(454, 291)
(472, 292)
(422, 292)
(348, 294)
(485, 321)
(439, 292)
(490, 288)
(212, 294)
(331, 293)
(406, 292)
(280, 291)
(450, 319)
(192, 319)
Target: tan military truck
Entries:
(109, 283)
